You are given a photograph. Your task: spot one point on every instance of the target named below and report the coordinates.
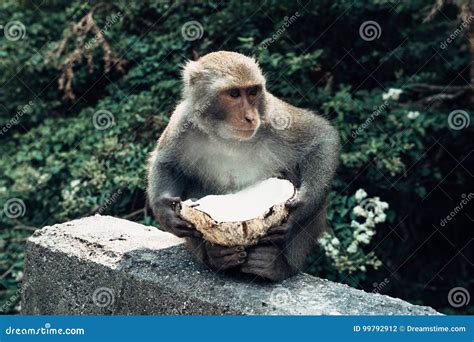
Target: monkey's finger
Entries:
(216, 250)
(182, 233)
(256, 270)
(230, 264)
(272, 239)
(255, 263)
(276, 234)
(293, 203)
(177, 222)
(238, 257)
(279, 230)
(228, 261)
(170, 202)
(233, 263)
(263, 249)
(184, 228)
(268, 256)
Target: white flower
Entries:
(356, 225)
(352, 247)
(380, 218)
(359, 211)
(360, 195)
(43, 178)
(324, 239)
(66, 195)
(75, 183)
(412, 115)
(370, 223)
(392, 94)
(362, 237)
(335, 241)
(19, 276)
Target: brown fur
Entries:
(203, 151)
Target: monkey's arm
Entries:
(315, 170)
(317, 167)
(165, 187)
(316, 143)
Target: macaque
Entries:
(227, 133)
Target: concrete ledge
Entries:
(104, 265)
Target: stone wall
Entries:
(104, 265)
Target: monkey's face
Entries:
(231, 89)
(240, 107)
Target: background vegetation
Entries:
(76, 59)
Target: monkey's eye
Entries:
(234, 93)
(252, 91)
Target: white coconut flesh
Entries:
(242, 217)
(246, 204)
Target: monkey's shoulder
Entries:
(293, 124)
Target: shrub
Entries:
(65, 157)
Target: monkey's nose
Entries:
(249, 118)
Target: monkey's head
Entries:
(226, 90)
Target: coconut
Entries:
(242, 217)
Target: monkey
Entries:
(229, 132)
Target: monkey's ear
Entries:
(192, 71)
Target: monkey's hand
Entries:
(266, 262)
(278, 235)
(222, 258)
(166, 213)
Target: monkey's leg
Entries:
(303, 238)
(267, 262)
(196, 246)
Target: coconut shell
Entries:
(235, 233)
(244, 233)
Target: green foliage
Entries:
(61, 166)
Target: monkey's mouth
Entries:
(236, 133)
(243, 132)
